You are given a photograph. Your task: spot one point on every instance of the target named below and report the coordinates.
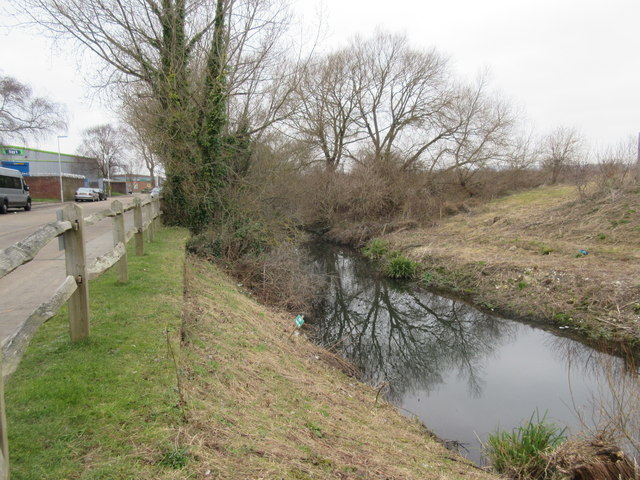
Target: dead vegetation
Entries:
(264, 404)
(594, 459)
(545, 254)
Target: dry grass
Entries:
(593, 459)
(262, 404)
(520, 255)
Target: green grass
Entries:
(106, 407)
(521, 453)
(400, 267)
(375, 248)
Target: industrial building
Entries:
(49, 173)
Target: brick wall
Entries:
(49, 187)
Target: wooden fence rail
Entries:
(74, 290)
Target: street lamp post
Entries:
(60, 168)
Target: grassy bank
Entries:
(249, 402)
(105, 407)
(521, 255)
(262, 404)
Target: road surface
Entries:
(24, 289)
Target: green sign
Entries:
(12, 151)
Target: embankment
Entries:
(543, 255)
(209, 387)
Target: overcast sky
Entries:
(565, 62)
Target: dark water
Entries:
(462, 372)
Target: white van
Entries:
(14, 193)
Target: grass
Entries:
(265, 404)
(106, 407)
(400, 267)
(375, 249)
(522, 453)
(247, 400)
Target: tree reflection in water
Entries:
(406, 339)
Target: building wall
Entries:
(137, 183)
(49, 187)
(119, 187)
(41, 162)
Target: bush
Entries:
(401, 267)
(230, 241)
(522, 453)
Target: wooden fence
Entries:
(74, 290)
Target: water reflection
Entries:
(462, 372)
(405, 339)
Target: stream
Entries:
(462, 372)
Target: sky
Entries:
(563, 62)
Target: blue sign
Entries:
(23, 167)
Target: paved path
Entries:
(24, 289)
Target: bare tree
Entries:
(202, 66)
(615, 166)
(105, 143)
(403, 97)
(560, 149)
(481, 128)
(23, 115)
(326, 114)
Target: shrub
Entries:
(231, 240)
(401, 267)
(521, 453)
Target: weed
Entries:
(522, 285)
(401, 267)
(544, 250)
(601, 236)
(563, 318)
(175, 458)
(427, 277)
(375, 249)
(315, 429)
(521, 452)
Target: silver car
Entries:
(86, 195)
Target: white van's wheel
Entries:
(27, 206)
(4, 208)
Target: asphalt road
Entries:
(24, 289)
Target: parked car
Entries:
(14, 193)
(85, 194)
(155, 192)
(102, 195)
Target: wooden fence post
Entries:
(4, 440)
(156, 213)
(76, 262)
(119, 236)
(137, 223)
(150, 212)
